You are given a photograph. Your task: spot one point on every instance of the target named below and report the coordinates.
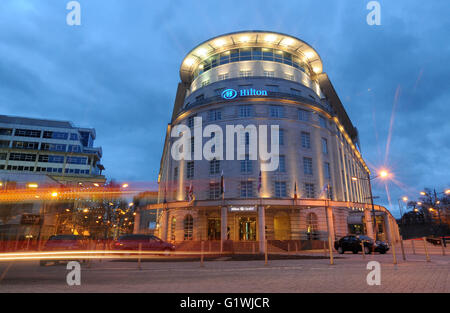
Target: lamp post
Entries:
(382, 174)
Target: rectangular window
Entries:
(2, 156)
(326, 170)
(245, 111)
(282, 164)
(324, 146)
(190, 169)
(214, 166)
(25, 145)
(191, 120)
(307, 166)
(55, 135)
(246, 189)
(269, 74)
(306, 140)
(245, 73)
(77, 160)
(281, 136)
(175, 173)
(280, 189)
(28, 133)
(73, 136)
(223, 76)
(74, 148)
(289, 76)
(309, 191)
(322, 121)
(205, 83)
(53, 147)
(303, 115)
(214, 190)
(22, 157)
(276, 111)
(215, 115)
(246, 165)
(5, 131)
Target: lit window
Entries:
(245, 73)
(188, 227)
(269, 74)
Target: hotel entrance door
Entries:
(247, 228)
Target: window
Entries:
(282, 164)
(324, 146)
(4, 143)
(73, 136)
(188, 227)
(223, 76)
(53, 147)
(280, 189)
(276, 111)
(22, 157)
(2, 156)
(5, 131)
(306, 140)
(309, 191)
(215, 115)
(307, 166)
(55, 135)
(326, 170)
(246, 165)
(289, 76)
(205, 83)
(200, 98)
(28, 133)
(246, 188)
(214, 166)
(190, 169)
(77, 160)
(74, 148)
(245, 111)
(25, 145)
(245, 73)
(214, 191)
(173, 225)
(312, 226)
(175, 173)
(51, 158)
(191, 120)
(322, 121)
(303, 115)
(269, 74)
(281, 136)
(192, 144)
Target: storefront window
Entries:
(312, 226)
(214, 228)
(188, 227)
(247, 228)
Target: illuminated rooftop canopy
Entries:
(245, 39)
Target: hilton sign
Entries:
(229, 94)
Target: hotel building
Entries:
(265, 78)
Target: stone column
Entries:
(223, 226)
(369, 223)
(262, 228)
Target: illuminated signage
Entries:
(230, 93)
(243, 209)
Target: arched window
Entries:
(312, 226)
(173, 226)
(188, 227)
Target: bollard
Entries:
(412, 245)
(265, 252)
(201, 254)
(426, 249)
(362, 249)
(403, 249)
(331, 250)
(442, 246)
(139, 256)
(393, 253)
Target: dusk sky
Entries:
(118, 73)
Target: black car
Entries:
(353, 243)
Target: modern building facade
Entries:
(55, 148)
(264, 78)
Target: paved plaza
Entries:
(348, 274)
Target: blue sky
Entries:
(119, 70)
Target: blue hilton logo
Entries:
(229, 94)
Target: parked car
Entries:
(63, 243)
(353, 243)
(147, 242)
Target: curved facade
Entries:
(262, 78)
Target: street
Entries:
(348, 274)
